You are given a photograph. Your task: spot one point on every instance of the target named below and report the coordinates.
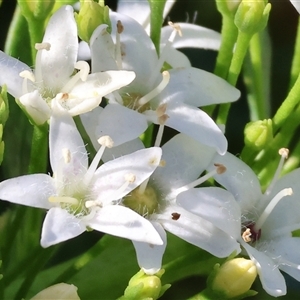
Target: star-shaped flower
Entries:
(54, 77)
(79, 197)
(183, 160)
(263, 224)
(170, 98)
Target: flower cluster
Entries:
(130, 187)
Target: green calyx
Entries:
(143, 203)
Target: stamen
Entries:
(159, 135)
(66, 155)
(219, 170)
(42, 46)
(26, 75)
(161, 110)
(84, 70)
(270, 207)
(118, 98)
(69, 200)
(104, 141)
(283, 152)
(247, 235)
(118, 54)
(145, 99)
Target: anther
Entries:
(130, 178)
(66, 155)
(247, 235)
(42, 46)
(284, 152)
(162, 163)
(106, 141)
(27, 75)
(120, 27)
(161, 110)
(176, 28)
(220, 169)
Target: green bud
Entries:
(228, 7)
(37, 9)
(4, 110)
(252, 16)
(90, 16)
(258, 134)
(234, 278)
(60, 291)
(142, 286)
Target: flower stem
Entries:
(295, 70)
(39, 150)
(239, 54)
(204, 295)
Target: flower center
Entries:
(251, 230)
(144, 203)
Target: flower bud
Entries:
(258, 134)
(38, 9)
(60, 291)
(228, 7)
(143, 286)
(234, 278)
(252, 16)
(90, 16)
(4, 111)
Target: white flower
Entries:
(170, 99)
(80, 197)
(261, 223)
(296, 4)
(53, 75)
(182, 161)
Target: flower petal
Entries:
(238, 179)
(176, 59)
(215, 205)
(121, 124)
(296, 4)
(30, 190)
(9, 75)
(68, 156)
(183, 164)
(60, 226)
(272, 280)
(112, 175)
(196, 124)
(124, 222)
(57, 64)
(198, 88)
(193, 36)
(197, 231)
(150, 256)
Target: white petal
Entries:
(215, 205)
(177, 59)
(240, 180)
(36, 107)
(197, 231)
(124, 222)
(121, 124)
(9, 75)
(272, 280)
(138, 51)
(285, 251)
(296, 4)
(30, 190)
(102, 83)
(196, 124)
(60, 226)
(112, 175)
(84, 52)
(124, 149)
(198, 87)
(90, 121)
(150, 256)
(68, 156)
(57, 64)
(183, 163)
(102, 50)
(193, 36)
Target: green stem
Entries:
(239, 54)
(257, 81)
(295, 70)
(204, 295)
(39, 150)
(34, 269)
(156, 21)
(287, 107)
(36, 32)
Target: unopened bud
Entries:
(252, 16)
(90, 16)
(234, 278)
(60, 291)
(4, 111)
(228, 7)
(258, 134)
(38, 10)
